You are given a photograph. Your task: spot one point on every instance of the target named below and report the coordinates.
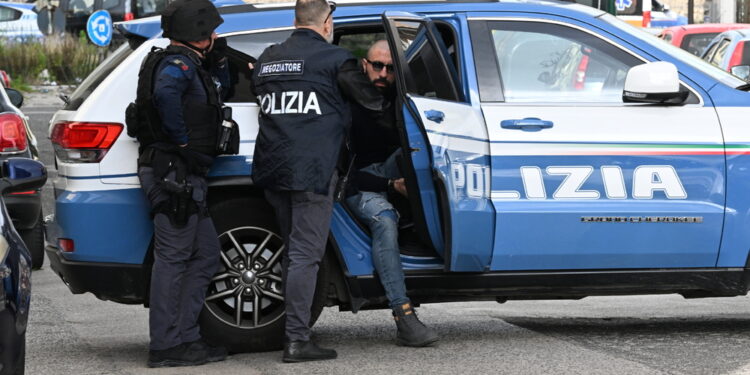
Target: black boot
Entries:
(213, 353)
(303, 351)
(180, 355)
(411, 332)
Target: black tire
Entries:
(252, 222)
(21, 364)
(34, 240)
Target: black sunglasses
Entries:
(333, 8)
(377, 65)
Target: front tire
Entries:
(244, 308)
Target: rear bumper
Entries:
(24, 209)
(117, 282)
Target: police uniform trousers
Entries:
(185, 260)
(304, 220)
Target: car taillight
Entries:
(84, 142)
(12, 133)
(66, 245)
(31, 192)
(646, 19)
(129, 16)
(5, 78)
(736, 58)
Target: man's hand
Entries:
(400, 186)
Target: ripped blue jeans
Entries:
(382, 219)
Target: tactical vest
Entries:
(303, 115)
(202, 120)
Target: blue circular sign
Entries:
(99, 28)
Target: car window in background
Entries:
(81, 6)
(150, 7)
(542, 62)
(8, 14)
(696, 43)
(721, 50)
(251, 45)
(97, 76)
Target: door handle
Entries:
(435, 116)
(529, 124)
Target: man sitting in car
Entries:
(375, 143)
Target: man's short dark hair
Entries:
(311, 12)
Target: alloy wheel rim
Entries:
(249, 277)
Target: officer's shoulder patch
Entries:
(180, 64)
(282, 68)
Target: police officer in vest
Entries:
(180, 109)
(303, 86)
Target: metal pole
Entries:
(691, 5)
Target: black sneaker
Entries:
(304, 351)
(213, 353)
(411, 331)
(176, 356)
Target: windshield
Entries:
(682, 55)
(97, 76)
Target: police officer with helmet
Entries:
(177, 118)
(304, 86)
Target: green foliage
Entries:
(68, 60)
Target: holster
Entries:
(171, 175)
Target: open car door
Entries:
(447, 165)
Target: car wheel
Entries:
(21, 364)
(34, 240)
(244, 308)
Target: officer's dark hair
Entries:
(311, 12)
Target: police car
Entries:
(554, 152)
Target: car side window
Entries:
(251, 45)
(543, 62)
(8, 14)
(427, 76)
(721, 50)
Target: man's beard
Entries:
(386, 85)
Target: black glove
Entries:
(217, 57)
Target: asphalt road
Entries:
(78, 334)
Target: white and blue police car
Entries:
(555, 152)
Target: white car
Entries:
(18, 22)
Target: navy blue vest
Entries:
(303, 115)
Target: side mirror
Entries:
(655, 82)
(15, 97)
(741, 71)
(21, 174)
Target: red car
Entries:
(694, 38)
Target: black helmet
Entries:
(190, 20)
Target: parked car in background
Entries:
(18, 21)
(17, 140)
(16, 174)
(694, 38)
(730, 51)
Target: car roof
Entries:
(708, 27)
(261, 16)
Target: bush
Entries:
(68, 60)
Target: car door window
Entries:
(8, 14)
(251, 45)
(543, 62)
(721, 50)
(426, 75)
